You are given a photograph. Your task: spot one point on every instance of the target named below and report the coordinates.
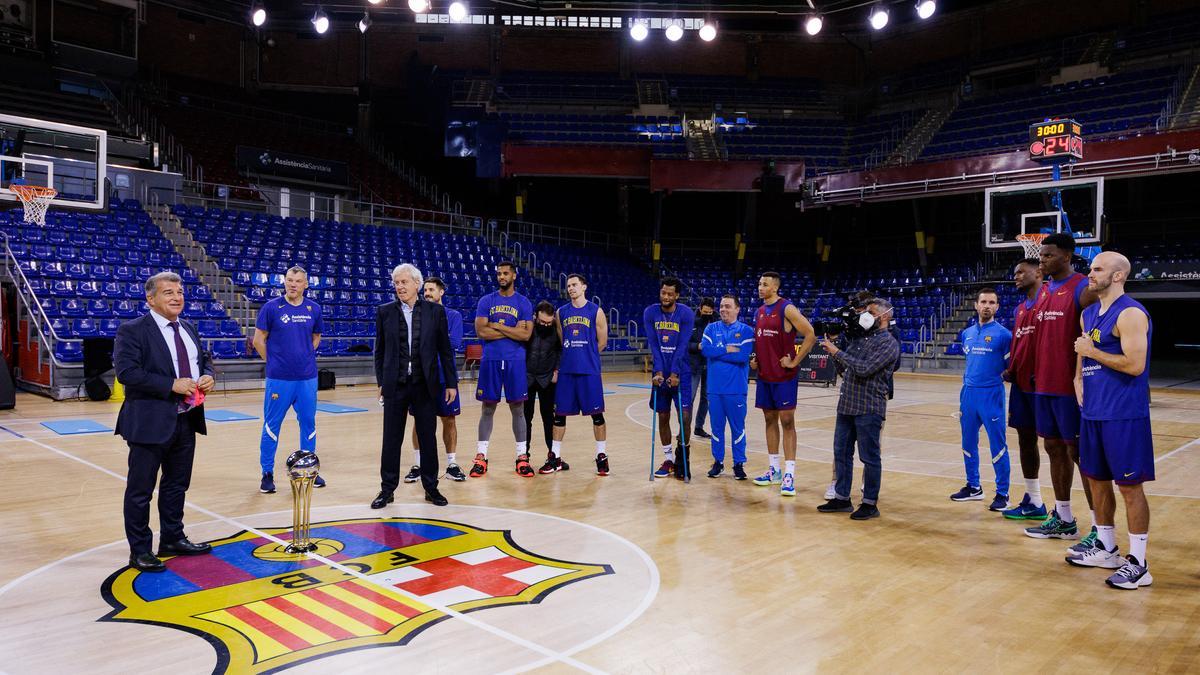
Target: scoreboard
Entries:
(1057, 140)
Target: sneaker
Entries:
(836, 505)
(267, 487)
(554, 464)
(788, 487)
(772, 475)
(1053, 528)
(319, 482)
(865, 512)
(1096, 556)
(701, 433)
(602, 464)
(999, 503)
(831, 491)
(664, 471)
(716, 470)
(523, 468)
(1026, 511)
(413, 475)
(479, 468)
(1086, 544)
(1131, 575)
(739, 472)
(968, 494)
(455, 473)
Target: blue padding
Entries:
(338, 409)
(227, 416)
(69, 427)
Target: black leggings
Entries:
(545, 396)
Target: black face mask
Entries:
(543, 330)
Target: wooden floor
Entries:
(715, 576)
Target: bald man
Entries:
(1112, 383)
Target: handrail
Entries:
(614, 319)
(548, 272)
(39, 320)
(631, 328)
(533, 260)
(562, 280)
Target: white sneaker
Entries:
(1096, 556)
(831, 493)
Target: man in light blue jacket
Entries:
(727, 345)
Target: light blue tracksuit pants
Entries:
(729, 408)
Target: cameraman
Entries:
(866, 366)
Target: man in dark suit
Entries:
(159, 360)
(412, 341)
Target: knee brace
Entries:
(598, 419)
(560, 421)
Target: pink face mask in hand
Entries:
(194, 399)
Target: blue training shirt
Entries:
(290, 328)
(508, 310)
(728, 372)
(986, 347)
(580, 354)
(1109, 394)
(667, 334)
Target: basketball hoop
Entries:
(36, 199)
(1032, 243)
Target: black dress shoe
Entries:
(183, 547)
(435, 497)
(145, 562)
(383, 500)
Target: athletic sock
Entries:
(481, 447)
(1093, 514)
(600, 445)
(669, 452)
(773, 461)
(789, 466)
(556, 448)
(1107, 536)
(451, 458)
(1137, 546)
(522, 448)
(1064, 511)
(1033, 487)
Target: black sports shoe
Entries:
(739, 473)
(836, 505)
(413, 475)
(455, 473)
(716, 470)
(683, 462)
(602, 464)
(701, 433)
(554, 464)
(267, 486)
(865, 512)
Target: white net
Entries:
(35, 199)
(1032, 244)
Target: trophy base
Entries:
(301, 548)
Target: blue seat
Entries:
(108, 327)
(86, 328)
(69, 352)
(215, 310)
(72, 307)
(98, 308)
(225, 350)
(126, 309)
(209, 328)
(230, 328)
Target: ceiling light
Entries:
(674, 32)
(458, 12)
(879, 18)
(708, 32)
(926, 8)
(320, 21)
(258, 14)
(814, 24)
(364, 23)
(418, 6)
(638, 31)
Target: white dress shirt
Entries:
(168, 333)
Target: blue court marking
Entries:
(637, 386)
(607, 392)
(69, 427)
(226, 416)
(338, 409)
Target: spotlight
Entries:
(879, 17)
(708, 32)
(418, 6)
(457, 12)
(813, 24)
(320, 21)
(364, 23)
(926, 8)
(258, 14)
(674, 32)
(375, 2)
(638, 31)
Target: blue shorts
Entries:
(1118, 450)
(1057, 417)
(444, 410)
(502, 378)
(775, 395)
(1021, 408)
(667, 394)
(578, 393)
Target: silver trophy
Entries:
(303, 467)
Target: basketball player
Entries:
(286, 336)
(776, 325)
(668, 326)
(504, 321)
(1027, 276)
(583, 329)
(1113, 384)
(1062, 298)
(981, 401)
(435, 288)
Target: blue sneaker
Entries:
(968, 493)
(771, 476)
(1026, 511)
(267, 487)
(788, 488)
(716, 470)
(1054, 528)
(1131, 575)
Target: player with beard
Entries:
(668, 325)
(1027, 276)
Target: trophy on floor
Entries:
(303, 467)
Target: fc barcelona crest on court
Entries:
(264, 609)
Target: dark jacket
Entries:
(144, 366)
(542, 354)
(697, 359)
(433, 348)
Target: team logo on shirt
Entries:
(264, 609)
(1095, 335)
(286, 318)
(987, 338)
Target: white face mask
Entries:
(866, 320)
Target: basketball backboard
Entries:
(69, 158)
(1075, 206)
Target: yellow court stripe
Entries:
(289, 623)
(365, 605)
(264, 646)
(330, 614)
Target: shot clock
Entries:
(1057, 140)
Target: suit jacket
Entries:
(144, 365)
(434, 349)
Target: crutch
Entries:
(683, 446)
(653, 427)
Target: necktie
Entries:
(181, 353)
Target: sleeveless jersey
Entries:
(772, 342)
(1024, 344)
(579, 353)
(1110, 394)
(1057, 312)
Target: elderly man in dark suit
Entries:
(412, 341)
(159, 360)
